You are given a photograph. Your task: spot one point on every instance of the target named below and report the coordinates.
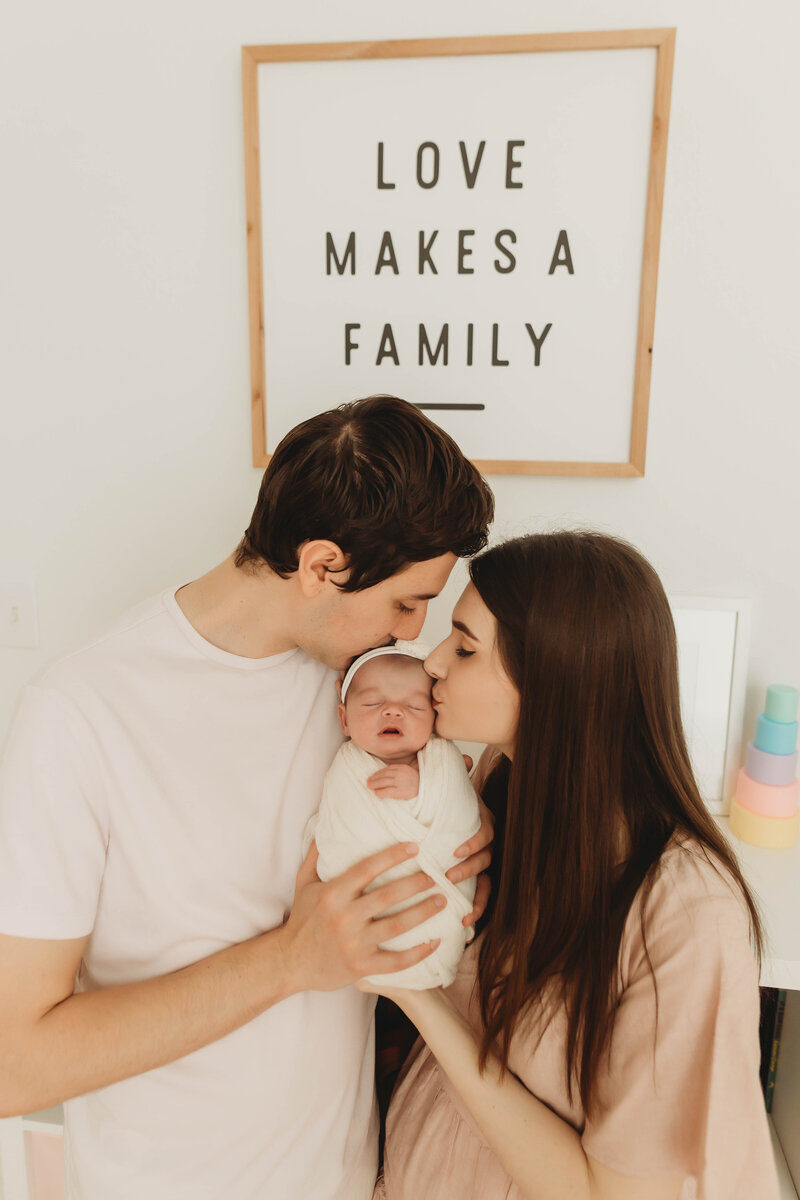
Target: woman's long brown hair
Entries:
(586, 635)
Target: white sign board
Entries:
(465, 230)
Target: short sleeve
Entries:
(53, 828)
(681, 1093)
(483, 768)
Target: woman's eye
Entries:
(462, 653)
(404, 610)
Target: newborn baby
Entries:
(421, 793)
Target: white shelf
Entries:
(786, 1187)
(774, 876)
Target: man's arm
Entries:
(55, 1045)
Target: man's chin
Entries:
(339, 662)
(343, 663)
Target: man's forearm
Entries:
(93, 1039)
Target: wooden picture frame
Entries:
(630, 461)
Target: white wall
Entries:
(125, 448)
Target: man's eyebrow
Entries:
(460, 625)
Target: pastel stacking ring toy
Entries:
(770, 800)
(764, 810)
(775, 769)
(781, 703)
(775, 737)
(772, 833)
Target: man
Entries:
(154, 791)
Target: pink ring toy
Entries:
(765, 800)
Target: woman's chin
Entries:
(440, 727)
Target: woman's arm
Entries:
(541, 1152)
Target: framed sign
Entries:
(472, 224)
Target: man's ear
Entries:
(343, 719)
(316, 560)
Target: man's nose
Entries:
(410, 624)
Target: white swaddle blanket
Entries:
(353, 823)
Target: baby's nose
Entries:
(394, 708)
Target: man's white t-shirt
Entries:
(153, 794)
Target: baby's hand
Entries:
(399, 782)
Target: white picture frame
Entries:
(713, 641)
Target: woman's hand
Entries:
(411, 1001)
(477, 856)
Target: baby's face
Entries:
(388, 710)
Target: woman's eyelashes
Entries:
(462, 653)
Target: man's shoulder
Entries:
(153, 640)
(121, 636)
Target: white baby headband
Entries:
(415, 649)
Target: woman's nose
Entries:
(433, 664)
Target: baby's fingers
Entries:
(381, 777)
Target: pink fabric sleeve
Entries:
(690, 1103)
(53, 828)
(483, 767)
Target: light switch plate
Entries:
(19, 625)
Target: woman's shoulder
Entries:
(691, 873)
(695, 908)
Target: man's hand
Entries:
(332, 934)
(477, 857)
(398, 781)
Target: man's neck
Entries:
(240, 612)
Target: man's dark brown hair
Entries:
(379, 479)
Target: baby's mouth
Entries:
(390, 731)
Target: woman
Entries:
(601, 1038)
